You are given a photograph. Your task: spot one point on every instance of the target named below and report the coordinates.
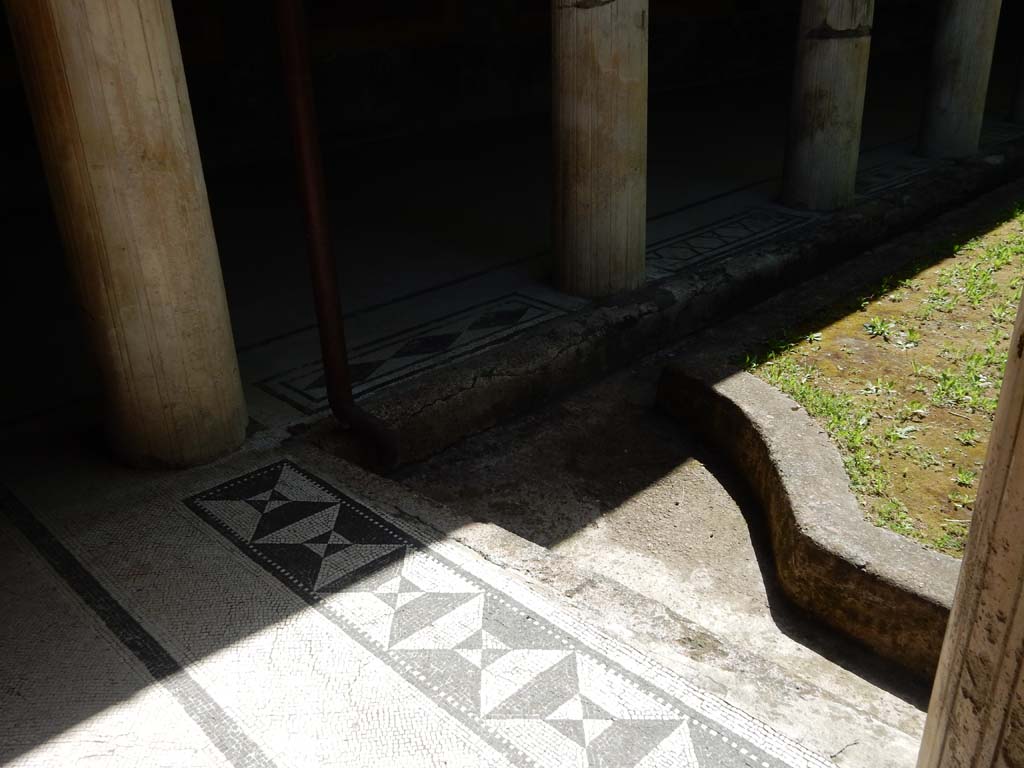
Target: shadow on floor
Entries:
(589, 462)
(564, 474)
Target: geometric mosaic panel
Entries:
(433, 344)
(719, 240)
(891, 175)
(535, 694)
(995, 132)
(392, 358)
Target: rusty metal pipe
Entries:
(294, 36)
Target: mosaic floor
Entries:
(258, 614)
(397, 356)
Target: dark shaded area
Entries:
(562, 469)
(435, 84)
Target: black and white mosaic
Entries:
(417, 349)
(535, 693)
(430, 345)
(996, 132)
(899, 172)
(893, 175)
(717, 241)
(222, 730)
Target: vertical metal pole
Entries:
(294, 36)
(299, 83)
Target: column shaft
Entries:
(106, 87)
(1018, 101)
(600, 144)
(961, 63)
(828, 103)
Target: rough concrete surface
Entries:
(875, 585)
(654, 545)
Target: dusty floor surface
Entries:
(615, 487)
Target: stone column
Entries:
(1018, 101)
(106, 87)
(961, 62)
(600, 144)
(976, 716)
(828, 103)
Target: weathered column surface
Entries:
(600, 143)
(828, 103)
(976, 717)
(1018, 101)
(961, 62)
(107, 90)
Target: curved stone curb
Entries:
(880, 588)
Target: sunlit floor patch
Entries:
(294, 625)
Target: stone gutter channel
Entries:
(888, 593)
(880, 588)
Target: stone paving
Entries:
(261, 612)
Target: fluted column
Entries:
(976, 716)
(827, 104)
(961, 63)
(106, 87)
(600, 143)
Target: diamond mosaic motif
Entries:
(721, 239)
(881, 178)
(537, 695)
(426, 345)
(498, 319)
(417, 349)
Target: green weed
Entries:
(967, 437)
(965, 478)
(876, 327)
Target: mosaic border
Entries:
(756, 226)
(222, 731)
(285, 386)
(745, 747)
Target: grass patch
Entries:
(845, 421)
(907, 384)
